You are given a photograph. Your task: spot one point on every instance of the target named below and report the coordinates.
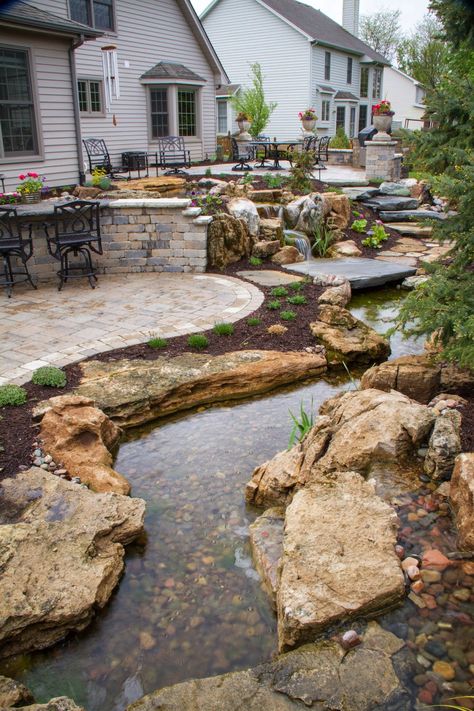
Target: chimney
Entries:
(350, 16)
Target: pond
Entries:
(190, 602)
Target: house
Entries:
(407, 98)
(307, 60)
(125, 71)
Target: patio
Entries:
(343, 175)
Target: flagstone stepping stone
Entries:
(411, 228)
(408, 261)
(409, 245)
(387, 188)
(361, 272)
(268, 277)
(389, 202)
(360, 193)
(410, 215)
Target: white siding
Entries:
(244, 32)
(55, 116)
(401, 92)
(338, 81)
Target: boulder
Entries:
(411, 228)
(337, 295)
(244, 209)
(362, 193)
(12, 693)
(391, 203)
(265, 195)
(408, 215)
(61, 556)
(228, 241)
(84, 192)
(322, 676)
(347, 339)
(348, 248)
(273, 482)
(338, 560)
(414, 375)
(271, 229)
(266, 249)
(462, 499)
(79, 436)
(266, 542)
(61, 703)
(338, 210)
(133, 392)
(444, 446)
(162, 186)
(287, 255)
(305, 213)
(414, 282)
(387, 188)
(454, 379)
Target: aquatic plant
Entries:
(301, 426)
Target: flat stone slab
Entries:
(392, 202)
(360, 193)
(411, 228)
(268, 277)
(410, 215)
(362, 273)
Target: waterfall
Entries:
(303, 246)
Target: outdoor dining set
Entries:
(267, 152)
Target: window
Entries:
(94, 13)
(18, 135)
(222, 117)
(325, 106)
(186, 112)
(90, 96)
(352, 123)
(341, 117)
(364, 81)
(362, 117)
(420, 95)
(377, 84)
(327, 65)
(159, 113)
(349, 70)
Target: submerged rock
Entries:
(444, 446)
(462, 498)
(61, 703)
(12, 693)
(266, 541)
(61, 556)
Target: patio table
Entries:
(275, 147)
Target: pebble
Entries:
(423, 662)
(425, 696)
(147, 641)
(400, 551)
(350, 639)
(462, 594)
(38, 462)
(44, 466)
(430, 576)
(445, 670)
(418, 586)
(433, 557)
(413, 572)
(409, 563)
(48, 459)
(436, 648)
(416, 600)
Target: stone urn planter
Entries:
(382, 123)
(308, 126)
(244, 125)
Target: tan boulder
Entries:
(347, 339)
(84, 192)
(161, 186)
(339, 208)
(80, 436)
(271, 229)
(414, 375)
(61, 703)
(337, 295)
(266, 542)
(348, 248)
(287, 255)
(462, 499)
(454, 379)
(12, 693)
(444, 446)
(61, 556)
(228, 240)
(273, 481)
(244, 209)
(265, 249)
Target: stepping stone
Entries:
(409, 245)
(352, 182)
(361, 193)
(268, 277)
(387, 188)
(411, 228)
(389, 202)
(400, 260)
(361, 273)
(409, 215)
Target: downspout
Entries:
(75, 104)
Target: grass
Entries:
(255, 261)
(297, 300)
(49, 375)
(198, 341)
(254, 321)
(279, 291)
(273, 305)
(157, 342)
(296, 286)
(223, 329)
(12, 395)
(288, 315)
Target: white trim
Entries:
(277, 14)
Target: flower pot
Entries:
(382, 123)
(31, 198)
(244, 134)
(308, 125)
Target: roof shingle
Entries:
(171, 70)
(21, 13)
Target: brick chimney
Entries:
(350, 16)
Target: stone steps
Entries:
(391, 203)
(411, 229)
(410, 215)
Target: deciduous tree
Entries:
(381, 30)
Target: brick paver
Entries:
(50, 327)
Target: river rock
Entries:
(444, 446)
(228, 241)
(387, 188)
(414, 375)
(244, 209)
(266, 542)
(337, 295)
(462, 499)
(321, 676)
(338, 210)
(81, 436)
(133, 392)
(391, 203)
(61, 556)
(337, 533)
(287, 255)
(271, 229)
(266, 249)
(347, 248)
(12, 693)
(347, 339)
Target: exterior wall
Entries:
(51, 82)
(338, 81)
(244, 32)
(381, 161)
(401, 92)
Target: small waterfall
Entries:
(301, 241)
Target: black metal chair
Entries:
(173, 156)
(14, 245)
(76, 233)
(262, 153)
(98, 156)
(242, 154)
(322, 155)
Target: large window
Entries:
(18, 135)
(352, 122)
(90, 97)
(349, 70)
(159, 113)
(327, 65)
(187, 112)
(377, 84)
(94, 13)
(364, 82)
(362, 117)
(325, 106)
(222, 117)
(341, 117)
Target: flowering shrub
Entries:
(9, 198)
(382, 109)
(308, 115)
(359, 225)
(31, 183)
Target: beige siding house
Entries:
(162, 80)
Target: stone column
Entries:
(380, 160)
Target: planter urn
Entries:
(382, 123)
(308, 127)
(244, 135)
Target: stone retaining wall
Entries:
(340, 156)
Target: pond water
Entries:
(190, 603)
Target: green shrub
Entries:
(273, 305)
(12, 395)
(279, 291)
(301, 171)
(375, 239)
(288, 315)
(208, 172)
(157, 342)
(274, 181)
(49, 375)
(105, 183)
(223, 329)
(296, 285)
(359, 226)
(297, 300)
(247, 179)
(255, 261)
(198, 341)
(254, 321)
(340, 140)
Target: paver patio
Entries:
(49, 327)
(334, 174)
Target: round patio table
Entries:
(274, 150)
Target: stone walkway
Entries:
(334, 174)
(49, 327)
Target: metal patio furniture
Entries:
(14, 245)
(76, 233)
(242, 153)
(98, 156)
(322, 155)
(173, 156)
(262, 152)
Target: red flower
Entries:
(22, 177)
(33, 175)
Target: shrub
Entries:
(273, 305)
(49, 375)
(247, 179)
(254, 321)
(223, 329)
(359, 226)
(12, 395)
(251, 102)
(288, 315)
(279, 291)
(274, 181)
(255, 261)
(157, 342)
(198, 341)
(297, 300)
(208, 172)
(296, 285)
(340, 140)
(301, 171)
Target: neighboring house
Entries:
(225, 112)
(146, 70)
(307, 60)
(407, 98)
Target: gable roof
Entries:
(317, 26)
(25, 15)
(406, 76)
(171, 70)
(205, 43)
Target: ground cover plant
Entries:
(198, 341)
(223, 329)
(157, 343)
(288, 315)
(279, 291)
(12, 395)
(49, 375)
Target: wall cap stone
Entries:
(203, 220)
(150, 202)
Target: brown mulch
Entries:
(467, 431)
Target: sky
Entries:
(411, 10)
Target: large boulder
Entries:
(61, 556)
(228, 241)
(388, 188)
(322, 676)
(337, 295)
(306, 212)
(392, 203)
(12, 693)
(287, 255)
(347, 339)
(339, 210)
(133, 392)
(414, 375)
(61, 703)
(461, 493)
(266, 249)
(246, 210)
(266, 542)
(81, 437)
(271, 229)
(338, 559)
(444, 446)
(347, 248)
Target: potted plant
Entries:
(308, 120)
(243, 121)
(30, 187)
(382, 118)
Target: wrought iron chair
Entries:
(77, 233)
(14, 244)
(173, 155)
(242, 154)
(262, 153)
(98, 156)
(322, 155)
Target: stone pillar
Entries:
(380, 161)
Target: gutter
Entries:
(75, 103)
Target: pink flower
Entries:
(33, 175)
(22, 177)
(379, 222)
